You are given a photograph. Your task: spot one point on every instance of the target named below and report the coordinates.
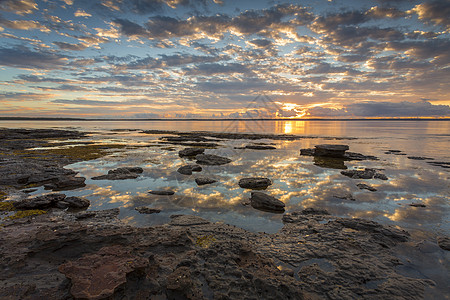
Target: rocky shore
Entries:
(53, 248)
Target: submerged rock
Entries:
(188, 169)
(331, 151)
(121, 174)
(264, 202)
(211, 159)
(444, 242)
(364, 186)
(147, 210)
(260, 147)
(367, 173)
(190, 152)
(255, 183)
(204, 180)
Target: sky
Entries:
(224, 58)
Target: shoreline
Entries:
(314, 255)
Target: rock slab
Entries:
(266, 202)
(121, 174)
(254, 183)
(211, 159)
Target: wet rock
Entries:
(330, 150)
(107, 214)
(188, 169)
(121, 174)
(304, 215)
(444, 242)
(420, 158)
(266, 202)
(314, 211)
(347, 196)
(162, 193)
(260, 147)
(211, 159)
(66, 183)
(359, 156)
(77, 202)
(364, 186)
(147, 210)
(441, 164)
(204, 180)
(98, 275)
(417, 205)
(40, 202)
(254, 183)
(29, 190)
(307, 152)
(367, 173)
(383, 232)
(190, 152)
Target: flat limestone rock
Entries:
(211, 159)
(121, 174)
(98, 275)
(204, 180)
(162, 193)
(260, 147)
(266, 202)
(65, 183)
(187, 220)
(40, 202)
(330, 150)
(254, 183)
(188, 169)
(367, 173)
(190, 152)
(147, 210)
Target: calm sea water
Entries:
(297, 181)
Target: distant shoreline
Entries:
(216, 120)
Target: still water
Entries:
(297, 181)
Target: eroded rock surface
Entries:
(367, 173)
(190, 152)
(364, 186)
(314, 256)
(204, 180)
(52, 201)
(188, 169)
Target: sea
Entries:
(415, 197)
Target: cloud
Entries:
(261, 43)
(437, 12)
(175, 60)
(24, 58)
(23, 25)
(68, 46)
(20, 7)
(81, 13)
(212, 69)
(374, 109)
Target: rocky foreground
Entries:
(92, 255)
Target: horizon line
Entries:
(225, 119)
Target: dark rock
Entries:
(210, 159)
(98, 275)
(107, 214)
(444, 242)
(147, 210)
(441, 164)
(255, 183)
(307, 152)
(420, 158)
(121, 174)
(359, 156)
(29, 190)
(162, 193)
(373, 227)
(41, 202)
(191, 152)
(204, 180)
(417, 205)
(266, 202)
(329, 150)
(188, 169)
(300, 216)
(187, 220)
(65, 183)
(367, 173)
(260, 147)
(395, 151)
(314, 211)
(347, 196)
(77, 202)
(364, 186)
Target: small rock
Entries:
(210, 159)
(77, 202)
(444, 242)
(147, 210)
(367, 173)
(65, 183)
(188, 169)
(420, 158)
(260, 147)
(330, 150)
(121, 174)
(364, 186)
(347, 196)
(41, 202)
(204, 180)
(162, 193)
(254, 183)
(191, 151)
(266, 202)
(417, 205)
(27, 191)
